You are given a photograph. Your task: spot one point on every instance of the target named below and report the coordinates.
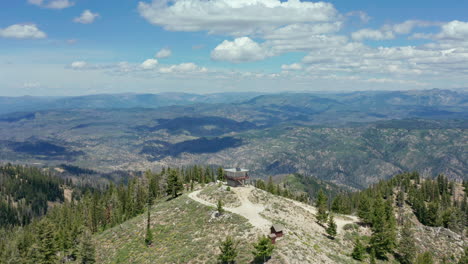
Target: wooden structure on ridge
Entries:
(276, 231)
(236, 177)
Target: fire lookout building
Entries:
(236, 177)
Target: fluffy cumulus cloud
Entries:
(234, 17)
(163, 53)
(22, 31)
(285, 26)
(87, 17)
(52, 4)
(457, 30)
(239, 50)
(149, 64)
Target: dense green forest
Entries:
(65, 228)
(25, 193)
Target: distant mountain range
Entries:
(115, 101)
(350, 139)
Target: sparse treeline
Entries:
(435, 202)
(281, 190)
(64, 230)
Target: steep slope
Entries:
(186, 230)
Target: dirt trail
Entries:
(252, 211)
(339, 220)
(247, 209)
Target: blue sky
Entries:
(75, 47)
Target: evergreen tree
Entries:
(173, 184)
(383, 229)
(407, 245)
(331, 229)
(372, 256)
(149, 234)
(270, 185)
(262, 249)
(400, 199)
(87, 249)
(219, 207)
(228, 251)
(220, 174)
(365, 209)
(321, 204)
(424, 258)
(47, 248)
(358, 251)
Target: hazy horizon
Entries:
(80, 47)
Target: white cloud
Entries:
(234, 17)
(87, 17)
(372, 34)
(293, 67)
(186, 67)
(457, 30)
(52, 4)
(163, 53)
(22, 31)
(240, 50)
(149, 64)
(78, 65)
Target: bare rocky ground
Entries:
(304, 241)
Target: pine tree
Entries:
(220, 174)
(219, 207)
(331, 229)
(407, 245)
(263, 249)
(149, 234)
(173, 184)
(400, 199)
(87, 249)
(372, 256)
(424, 258)
(433, 217)
(228, 251)
(47, 248)
(321, 204)
(365, 209)
(358, 251)
(270, 186)
(383, 229)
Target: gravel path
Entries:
(247, 209)
(252, 211)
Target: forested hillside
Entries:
(25, 193)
